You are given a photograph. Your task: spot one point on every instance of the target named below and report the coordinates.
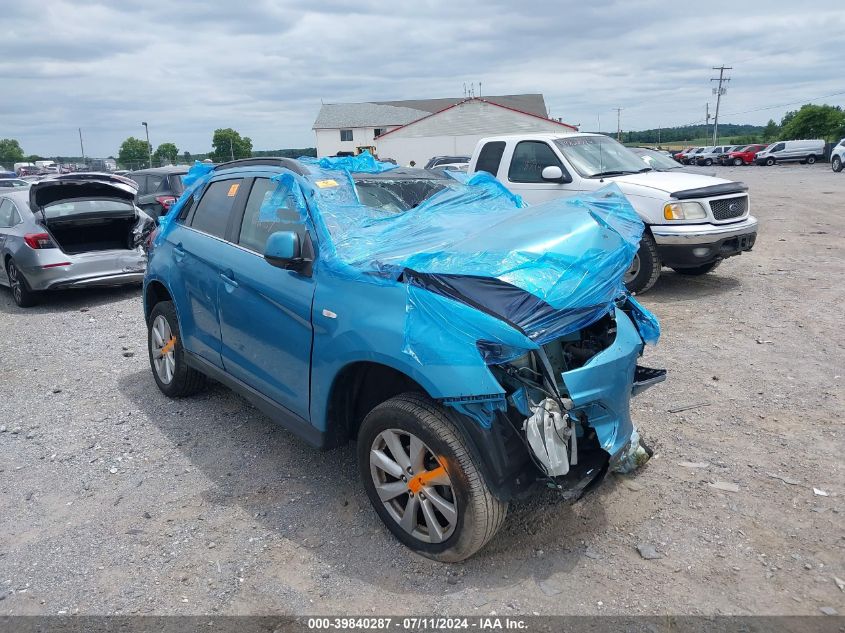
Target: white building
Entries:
(455, 130)
(352, 127)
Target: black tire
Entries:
(186, 380)
(479, 513)
(708, 162)
(836, 164)
(23, 295)
(649, 266)
(770, 162)
(697, 270)
(811, 160)
(737, 162)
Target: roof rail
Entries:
(287, 163)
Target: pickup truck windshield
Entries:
(596, 156)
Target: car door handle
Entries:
(228, 278)
(178, 252)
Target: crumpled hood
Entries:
(664, 182)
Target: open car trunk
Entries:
(89, 212)
(101, 233)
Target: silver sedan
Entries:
(71, 231)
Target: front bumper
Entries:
(690, 245)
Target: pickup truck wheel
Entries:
(172, 374)
(21, 292)
(737, 162)
(422, 480)
(698, 270)
(645, 269)
(836, 164)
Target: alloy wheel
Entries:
(413, 485)
(633, 271)
(163, 345)
(15, 282)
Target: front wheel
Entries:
(695, 271)
(422, 480)
(737, 162)
(167, 356)
(836, 164)
(23, 295)
(708, 162)
(645, 269)
(770, 162)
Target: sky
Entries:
(263, 67)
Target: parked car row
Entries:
(803, 151)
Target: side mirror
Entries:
(283, 250)
(553, 173)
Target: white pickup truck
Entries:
(692, 222)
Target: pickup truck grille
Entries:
(728, 208)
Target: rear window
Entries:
(490, 156)
(215, 207)
(79, 207)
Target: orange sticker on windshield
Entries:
(233, 190)
(323, 184)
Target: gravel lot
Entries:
(115, 500)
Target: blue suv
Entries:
(475, 348)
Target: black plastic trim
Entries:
(711, 191)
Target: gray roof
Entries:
(383, 113)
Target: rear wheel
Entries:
(167, 356)
(708, 162)
(422, 480)
(21, 292)
(695, 271)
(811, 160)
(836, 164)
(645, 269)
(737, 162)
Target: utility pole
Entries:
(149, 147)
(81, 146)
(618, 124)
(231, 149)
(707, 113)
(719, 92)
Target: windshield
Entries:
(399, 195)
(595, 156)
(656, 160)
(75, 207)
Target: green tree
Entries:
(771, 131)
(10, 152)
(166, 153)
(186, 155)
(228, 144)
(134, 153)
(815, 121)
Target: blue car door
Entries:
(265, 312)
(196, 244)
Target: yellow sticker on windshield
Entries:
(233, 190)
(324, 184)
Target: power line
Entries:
(783, 105)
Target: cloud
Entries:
(263, 67)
